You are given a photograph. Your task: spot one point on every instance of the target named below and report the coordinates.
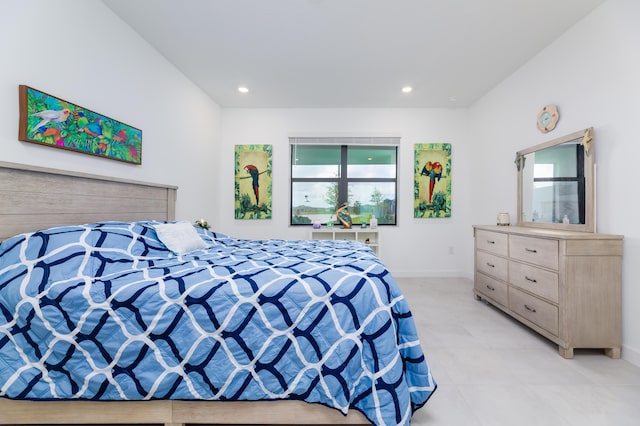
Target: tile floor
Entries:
(492, 371)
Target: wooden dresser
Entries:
(565, 285)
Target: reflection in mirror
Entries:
(556, 184)
(553, 181)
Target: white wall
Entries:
(414, 247)
(81, 52)
(592, 73)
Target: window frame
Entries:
(343, 180)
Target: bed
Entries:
(115, 313)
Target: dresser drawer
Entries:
(539, 251)
(538, 281)
(494, 242)
(490, 264)
(492, 288)
(539, 312)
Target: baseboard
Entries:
(631, 355)
(431, 274)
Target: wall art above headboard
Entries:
(48, 120)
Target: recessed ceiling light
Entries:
(407, 89)
(243, 89)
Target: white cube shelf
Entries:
(368, 236)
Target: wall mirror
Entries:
(556, 187)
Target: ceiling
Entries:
(349, 53)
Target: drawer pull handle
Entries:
(533, 280)
(531, 250)
(491, 242)
(529, 308)
(491, 265)
(490, 288)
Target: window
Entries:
(558, 184)
(327, 172)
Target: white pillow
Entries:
(179, 237)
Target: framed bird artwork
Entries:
(432, 180)
(49, 120)
(253, 181)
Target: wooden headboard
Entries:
(33, 198)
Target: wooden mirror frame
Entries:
(589, 173)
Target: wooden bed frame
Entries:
(34, 198)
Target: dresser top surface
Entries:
(547, 233)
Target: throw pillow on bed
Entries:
(179, 237)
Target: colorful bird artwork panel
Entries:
(48, 120)
(253, 181)
(432, 180)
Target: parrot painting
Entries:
(93, 129)
(52, 131)
(107, 129)
(57, 116)
(103, 147)
(253, 171)
(121, 136)
(433, 170)
(81, 118)
(133, 152)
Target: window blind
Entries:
(345, 140)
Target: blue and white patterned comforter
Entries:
(106, 312)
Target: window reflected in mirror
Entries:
(556, 178)
(556, 184)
